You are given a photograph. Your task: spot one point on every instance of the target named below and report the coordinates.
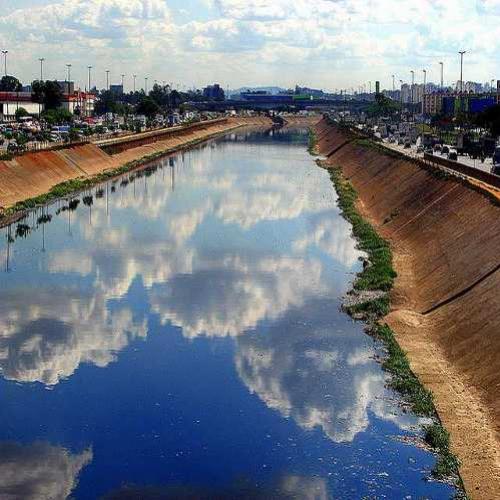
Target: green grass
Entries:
(372, 308)
(379, 275)
(438, 438)
(312, 143)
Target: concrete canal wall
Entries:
(445, 236)
(35, 173)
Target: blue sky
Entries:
(324, 43)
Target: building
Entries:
(79, 102)
(66, 87)
(433, 103)
(116, 90)
(10, 102)
(214, 92)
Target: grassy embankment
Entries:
(74, 186)
(378, 276)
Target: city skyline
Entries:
(333, 44)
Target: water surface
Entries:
(177, 333)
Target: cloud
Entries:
(39, 471)
(320, 373)
(324, 43)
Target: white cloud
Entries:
(39, 471)
(325, 43)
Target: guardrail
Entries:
(475, 173)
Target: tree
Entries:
(10, 84)
(47, 93)
(21, 112)
(147, 107)
(57, 116)
(490, 119)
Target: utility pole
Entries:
(107, 79)
(393, 84)
(123, 79)
(5, 52)
(134, 76)
(442, 75)
(146, 85)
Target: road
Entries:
(464, 160)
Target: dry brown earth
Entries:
(445, 313)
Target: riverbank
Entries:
(444, 308)
(39, 177)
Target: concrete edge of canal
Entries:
(39, 177)
(444, 233)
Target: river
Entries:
(177, 333)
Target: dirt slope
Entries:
(36, 173)
(446, 304)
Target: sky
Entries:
(330, 44)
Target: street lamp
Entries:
(393, 84)
(146, 85)
(107, 79)
(89, 68)
(461, 52)
(41, 59)
(424, 71)
(123, 77)
(134, 76)
(5, 52)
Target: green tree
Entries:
(147, 107)
(47, 93)
(21, 112)
(57, 116)
(490, 119)
(10, 84)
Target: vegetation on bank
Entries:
(379, 275)
(73, 186)
(312, 143)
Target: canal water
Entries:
(177, 334)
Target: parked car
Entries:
(437, 148)
(420, 149)
(452, 155)
(429, 151)
(407, 144)
(445, 150)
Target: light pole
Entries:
(123, 79)
(393, 84)
(5, 52)
(146, 85)
(412, 90)
(41, 59)
(424, 71)
(461, 52)
(442, 75)
(401, 97)
(107, 79)
(134, 76)
(89, 68)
